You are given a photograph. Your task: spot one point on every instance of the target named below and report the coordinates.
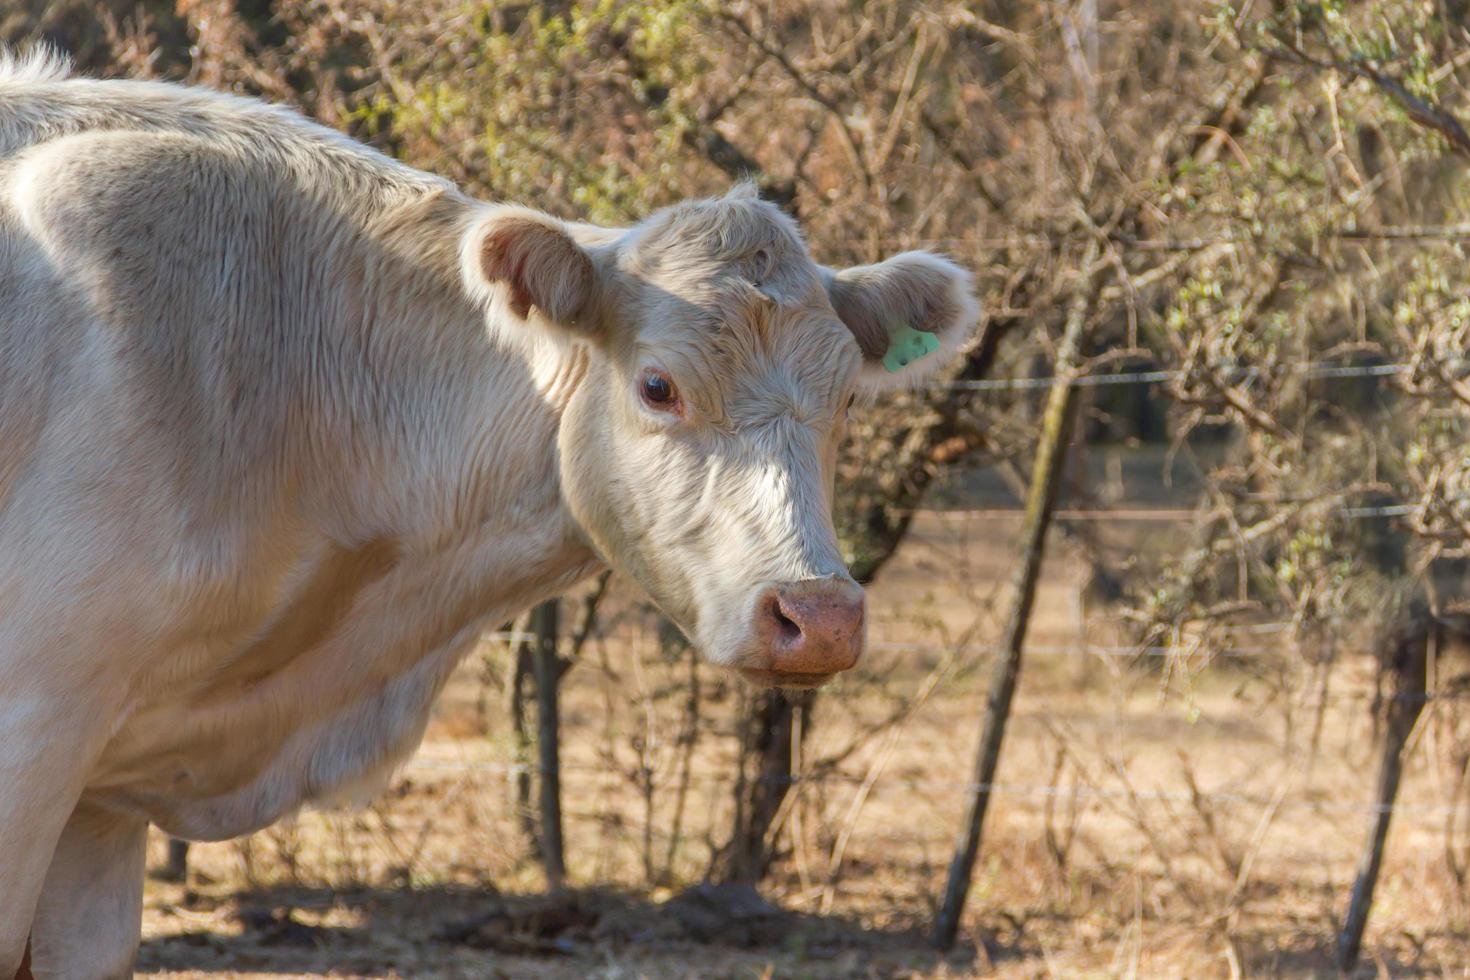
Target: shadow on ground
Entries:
(705, 931)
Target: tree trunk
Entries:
(1040, 499)
(1407, 662)
(675, 645)
(765, 777)
(539, 663)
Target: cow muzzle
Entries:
(807, 631)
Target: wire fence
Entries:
(618, 789)
(1200, 654)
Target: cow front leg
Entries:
(43, 752)
(92, 904)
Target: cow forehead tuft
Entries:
(748, 233)
(729, 282)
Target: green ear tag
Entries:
(906, 345)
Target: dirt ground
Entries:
(1195, 812)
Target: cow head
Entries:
(718, 366)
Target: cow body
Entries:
(284, 425)
(263, 473)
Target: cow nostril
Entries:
(787, 627)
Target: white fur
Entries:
(39, 64)
(272, 454)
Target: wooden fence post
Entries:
(1407, 662)
(545, 624)
(1040, 501)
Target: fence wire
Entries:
(1147, 515)
(1008, 789)
(1415, 235)
(1312, 370)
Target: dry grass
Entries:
(1184, 822)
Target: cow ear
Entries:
(908, 313)
(529, 262)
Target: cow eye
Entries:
(658, 391)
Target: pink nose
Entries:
(813, 626)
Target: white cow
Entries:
(284, 425)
